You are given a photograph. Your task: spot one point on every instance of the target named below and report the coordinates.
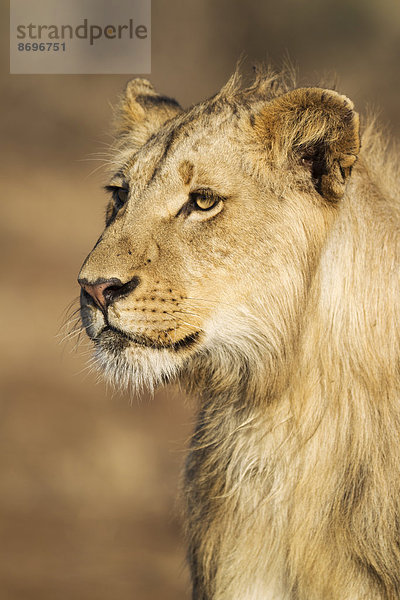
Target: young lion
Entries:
(251, 251)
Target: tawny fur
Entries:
(291, 294)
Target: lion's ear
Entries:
(142, 111)
(319, 128)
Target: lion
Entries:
(251, 252)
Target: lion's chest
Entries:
(238, 489)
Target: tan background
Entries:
(88, 479)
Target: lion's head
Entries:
(216, 220)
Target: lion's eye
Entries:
(201, 201)
(121, 196)
(204, 200)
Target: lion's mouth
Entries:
(142, 340)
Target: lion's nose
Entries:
(104, 292)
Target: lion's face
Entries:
(210, 240)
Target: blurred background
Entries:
(89, 477)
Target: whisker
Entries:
(91, 173)
(88, 370)
(218, 302)
(70, 305)
(70, 336)
(71, 324)
(170, 338)
(191, 325)
(187, 312)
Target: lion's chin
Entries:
(136, 362)
(119, 337)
